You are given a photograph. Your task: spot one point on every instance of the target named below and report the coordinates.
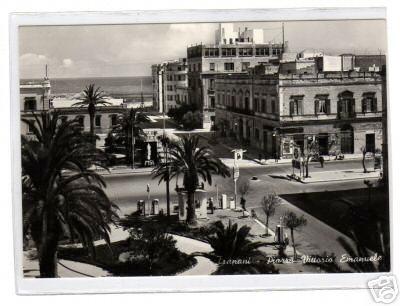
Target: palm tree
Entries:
(128, 127)
(234, 252)
(62, 198)
(194, 163)
(293, 222)
(92, 97)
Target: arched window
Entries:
(240, 99)
(233, 99)
(346, 106)
(247, 100)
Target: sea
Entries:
(129, 88)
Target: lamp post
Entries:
(165, 143)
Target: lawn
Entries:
(347, 210)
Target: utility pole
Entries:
(283, 37)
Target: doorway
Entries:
(323, 144)
(370, 142)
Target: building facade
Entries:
(340, 112)
(233, 53)
(169, 84)
(34, 97)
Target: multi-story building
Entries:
(34, 97)
(340, 111)
(169, 84)
(233, 53)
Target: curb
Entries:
(121, 172)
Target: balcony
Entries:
(346, 115)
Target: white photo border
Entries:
(170, 283)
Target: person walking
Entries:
(276, 157)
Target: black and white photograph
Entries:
(204, 149)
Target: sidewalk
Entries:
(123, 170)
(204, 266)
(66, 268)
(339, 175)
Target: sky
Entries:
(130, 50)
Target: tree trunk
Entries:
(92, 112)
(266, 224)
(48, 256)
(91, 116)
(191, 209)
(293, 244)
(307, 160)
(363, 163)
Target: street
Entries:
(126, 189)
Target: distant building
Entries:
(169, 84)
(34, 97)
(104, 121)
(234, 52)
(341, 112)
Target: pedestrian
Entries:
(211, 205)
(276, 157)
(243, 202)
(321, 161)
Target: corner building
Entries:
(340, 111)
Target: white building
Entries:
(169, 84)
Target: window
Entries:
(246, 52)
(296, 105)
(233, 99)
(228, 52)
(98, 121)
(322, 104)
(212, 102)
(257, 134)
(245, 66)
(113, 120)
(211, 52)
(212, 66)
(199, 67)
(273, 106)
(263, 105)
(169, 87)
(81, 121)
(276, 51)
(264, 51)
(212, 84)
(29, 126)
(30, 104)
(229, 66)
(369, 103)
(255, 102)
(346, 105)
